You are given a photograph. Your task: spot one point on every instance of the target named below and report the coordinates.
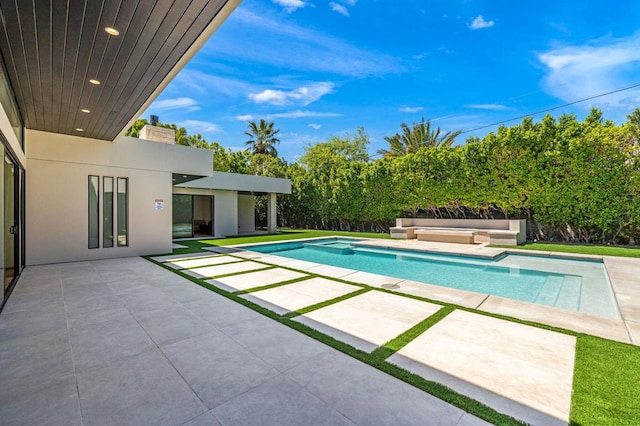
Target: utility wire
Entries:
(633, 86)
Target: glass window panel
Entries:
(94, 212)
(182, 216)
(107, 212)
(123, 212)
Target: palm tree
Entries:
(418, 136)
(263, 137)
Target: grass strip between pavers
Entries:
(438, 390)
(233, 274)
(325, 303)
(274, 285)
(397, 343)
(606, 383)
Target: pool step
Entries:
(569, 297)
(561, 292)
(337, 248)
(549, 292)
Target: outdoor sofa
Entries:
(465, 231)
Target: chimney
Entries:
(152, 132)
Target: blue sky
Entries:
(323, 68)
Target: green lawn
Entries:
(606, 385)
(579, 248)
(285, 234)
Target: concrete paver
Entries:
(468, 299)
(348, 385)
(141, 389)
(202, 261)
(370, 319)
(519, 370)
(217, 368)
(108, 341)
(598, 326)
(281, 347)
(256, 279)
(373, 280)
(279, 401)
(181, 256)
(56, 403)
(172, 324)
(229, 268)
(330, 271)
(301, 294)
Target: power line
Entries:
(633, 86)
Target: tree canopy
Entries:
(418, 136)
(263, 137)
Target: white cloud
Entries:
(492, 107)
(184, 103)
(300, 49)
(350, 2)
(314, 126)
(197, 126)
(302, 95)
(204, 84)
(290, 5)
(303, 114)
(599, 66)
(291, 114)
(479, 23)
(339, 8)
(411, 109)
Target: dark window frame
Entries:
(126, 211)
(96, 212)
(107, 239)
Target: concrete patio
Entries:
(124, 341)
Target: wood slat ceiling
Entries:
(52, 48)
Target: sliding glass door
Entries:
(12, 178)
(192, 216)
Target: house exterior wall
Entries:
(225, 206)
(246, 213)
(58, 167)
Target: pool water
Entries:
(578, 285)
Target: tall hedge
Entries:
(572, 181)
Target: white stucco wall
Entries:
(225, 206)
(246, 213)
(58, 167)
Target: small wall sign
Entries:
(159, 204)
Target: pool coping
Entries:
(618, 330)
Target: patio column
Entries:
(272, 211)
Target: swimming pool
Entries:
(578, 285)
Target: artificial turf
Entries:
(606, 384)
(579, 249)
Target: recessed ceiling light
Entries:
(94, 81)
(112, 31)
(86, 111)
(79, 129)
